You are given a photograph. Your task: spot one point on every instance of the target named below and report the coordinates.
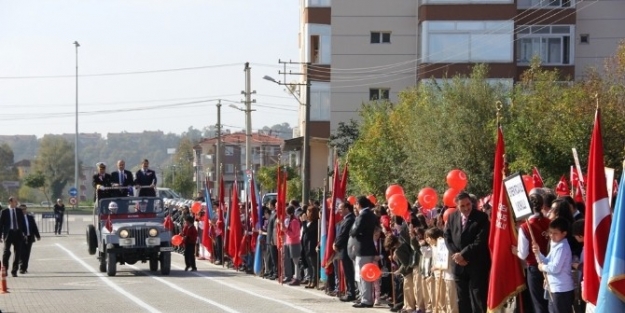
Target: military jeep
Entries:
(128, 230)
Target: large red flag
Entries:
(331, 233)
(504, 264)
(538, 180)
(235, 228)
(500, 150)
(221, 207)
(598, 218)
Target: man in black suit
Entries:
(340, 246)
(466, 236)
(366, 252)
(32, 233)
(121, 178)
(272, 242)
(59, 211)
(12, 230)
(145, 179)
(101, 180)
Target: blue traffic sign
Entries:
(73, 192)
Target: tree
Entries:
(56, 161)
(345, 136)
(8, 172)
(37, 180)
(181, 172)
(267, 177)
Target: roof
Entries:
(22, 163)
(239, 138)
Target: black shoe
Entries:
(14, 273)
(22, 271)
(347, 298)
(186, 268)
(194, 269)
(272, 277)
(362, 305)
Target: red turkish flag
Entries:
(562, 188)
(598, 218)
(500, 150)
(538, 180)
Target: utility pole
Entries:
(248, 116)
(306, 135)
(218, 152)
(76, 185)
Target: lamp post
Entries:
(306, 143)
(248, 135)
(76, 44)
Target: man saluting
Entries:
(101, 179)
(145, 180)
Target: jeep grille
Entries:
(140, 234)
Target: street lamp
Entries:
(76, 44)
(306, 143)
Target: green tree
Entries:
(37, 180)
(179, 176)
(345, 136)
(267, 177)
(55, 160)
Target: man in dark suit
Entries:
(364, 246)
(101, 180)
(59, 211)
(121, 178)
(32, 233)
(145, 180)
(340, 246)
(466, 237)
(12, 230)
(272, 242)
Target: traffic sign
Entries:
(73, 201)
(73, 192)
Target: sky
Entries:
(193, 52)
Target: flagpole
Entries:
(317, 274)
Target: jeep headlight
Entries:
(153, 232)
(124, 233)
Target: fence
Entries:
(46, 222)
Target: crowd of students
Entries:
(404, 249)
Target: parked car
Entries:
(46, 203)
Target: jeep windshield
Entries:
(131, 205)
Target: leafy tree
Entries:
(37, 180)
(267, 177)
(181, 173)
(7, 171)
(345, 136)
(56, 161)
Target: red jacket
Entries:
(190, 234)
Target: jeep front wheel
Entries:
(154, 263)
(165, 262)
(102, 262)
(92, 239)
(111, 270)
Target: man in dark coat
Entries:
(121, 178)
(145, 180)
(365, 250)
(12, 230)
(100, 181)
(32, 233)
(340, 246)
(466, 237)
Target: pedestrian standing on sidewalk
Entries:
(59, 212)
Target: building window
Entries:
(229, 150)
(467, 41)
(535, 4)
(378, 94)
(380, 37)
(229, 168)
(552, 44)
(584, 38)
(315, 58)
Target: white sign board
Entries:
(518, 197)
(609, 179)
(441, 259)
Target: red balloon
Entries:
(427, 198)
(351, 199)
(196, 207)
(449, 195)
(176, 240)
(448, 212)
(457, 179)
(528, 182)
(392, 190)
(398, 204)
(372, 198)
(370, 272)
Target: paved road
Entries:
(63, 277)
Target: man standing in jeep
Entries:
(101, 179)
(145, 179)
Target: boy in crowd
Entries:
(189, 233)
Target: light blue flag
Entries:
(612, 289)
(324, 237)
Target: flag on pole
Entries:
(324, 235)
(235, 235)
(500, 150)
(612, 289)
(332, 219)
(207, 241)
(504, 263)
(257, 212)
(598, 219)
(574, 178)
(207, 199)
(562, 188)
(538, 180)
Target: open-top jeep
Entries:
(127, 230)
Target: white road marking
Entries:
(299, 308)
(109, 282)
(186, 291)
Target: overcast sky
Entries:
(129, 36)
